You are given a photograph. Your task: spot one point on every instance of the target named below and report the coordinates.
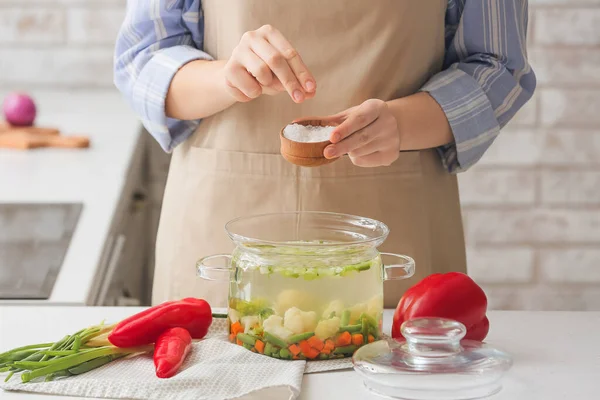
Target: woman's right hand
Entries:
(264, 62)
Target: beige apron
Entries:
(231, 166)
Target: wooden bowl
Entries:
(305, 154)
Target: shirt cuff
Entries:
(150, 91)
(470, 114)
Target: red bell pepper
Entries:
(193, 315)
(452, 295)
(170, 350)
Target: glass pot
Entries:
(305, 285)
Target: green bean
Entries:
(275, 340)
(92, 364)
(345, 318)
(5, 369)
(300, 337)
(275, 355)
(350, 328)
(268, 349)
(374, 332)
(345, 349)
(247, 346)
(363, 266)
(323, 356)
(370, 320)
(246, 339)
(365, 331)
(285, 353)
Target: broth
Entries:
(325, 308)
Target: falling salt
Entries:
(308, 133)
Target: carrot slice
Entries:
(325, 351)
(239, 342)
(329, 345)
(310, 352)
(232, 338)
(316, 343)
(344, 339)
(357, 339)
(305, 347)
(294, 349)
(260, 346)
(237, 328)
(371, 339)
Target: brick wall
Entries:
(51, 43)
(531, 206)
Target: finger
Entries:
(294, 60)
(364, 115)
(257, 67)
(238, 77)
(238, 95)
(359, 138)
(276, 84)
(369, 148)
(331, 120)
(377, 159)
(280, 68)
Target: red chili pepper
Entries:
(170, 350)
(194, 315)
(452, 295)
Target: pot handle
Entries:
(214, 268)
(403, 267)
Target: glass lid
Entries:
(431, 363)
(306, 230)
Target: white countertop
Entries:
(556, 354)
(93, 177)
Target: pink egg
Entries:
(19, 109)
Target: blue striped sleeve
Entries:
(156, 39)
(486, 78)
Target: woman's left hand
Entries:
(368, 133)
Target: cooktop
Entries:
(34, 239)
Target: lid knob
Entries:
(433, 337)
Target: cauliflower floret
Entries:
(336, 307)
(273, 325)
(234, 316)
(249, 322)
(293, 298)
(355, 312)
(299, 321)
(327, 328)
(375, 306)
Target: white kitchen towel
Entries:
(215, 369)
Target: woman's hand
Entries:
(368, 133)
(264, 62)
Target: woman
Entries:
(421, 89)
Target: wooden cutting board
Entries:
(31, 137)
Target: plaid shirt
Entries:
(486, 77)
